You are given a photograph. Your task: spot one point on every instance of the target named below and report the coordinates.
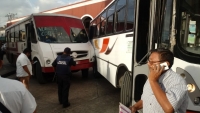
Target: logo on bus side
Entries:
(105, 48)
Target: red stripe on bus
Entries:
(105, 45)
(83, 64)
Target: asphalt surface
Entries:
(87, 95)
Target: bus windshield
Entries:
(190, 26)
(57, 29)
(52, 35)
(78, 35)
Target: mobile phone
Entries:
(164, 64)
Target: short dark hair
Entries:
(27, 51)
(67, 50)
(165, 55)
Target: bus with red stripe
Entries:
(126, 30)
(47, 35)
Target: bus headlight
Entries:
(197, 100)
(48, 61)
(92, 59)
(191, 88)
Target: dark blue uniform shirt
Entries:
(62, 64)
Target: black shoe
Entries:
(67, 105)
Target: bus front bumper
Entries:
(82, 64)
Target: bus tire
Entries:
(34, 70)
(95, 73)
(39, 75)
(84, 73)
(126, 89)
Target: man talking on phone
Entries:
(165, 91)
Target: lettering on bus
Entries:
(47, 31)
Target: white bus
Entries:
(124, 32)
(47, 35)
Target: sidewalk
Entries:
(7, 69)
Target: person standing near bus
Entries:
(165, 91)
(15, 98)
(62, 69)
(24, 67)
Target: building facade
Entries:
(86, 10)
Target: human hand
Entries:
(133, 109)
(155, 72)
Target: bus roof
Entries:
(42, 14)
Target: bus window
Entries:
(78, 35)
(102, 27)
(110, 24)
(22, 35)
(53, 35)
(7, 36)
(120, 20)
(130, 15)
(16, 33)
(12, 35)
(103, 24)
(111, 9)
(167, 24)
(93, 30)
(190, 26)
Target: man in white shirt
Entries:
(15, 98)
(24, 67)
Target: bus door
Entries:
(28, 36)
(147, 32)
(140, 48)
(31, 37)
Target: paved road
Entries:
(86, 96)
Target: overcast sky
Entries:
(26, 7)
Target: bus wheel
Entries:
(95, 73)
(84, 73)
(126, 89)
(39, 74)
(34, 70)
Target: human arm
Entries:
(72, 62)
(26, 70)
(28, 103)
(155, 73)
(136, 106)
(54, 64)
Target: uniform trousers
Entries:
(63, 82)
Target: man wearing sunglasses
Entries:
(165, 91)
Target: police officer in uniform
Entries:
(62, 69)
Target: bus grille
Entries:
(80, 54)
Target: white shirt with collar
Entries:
(23, 60)
(175, 88)
(15, 97)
